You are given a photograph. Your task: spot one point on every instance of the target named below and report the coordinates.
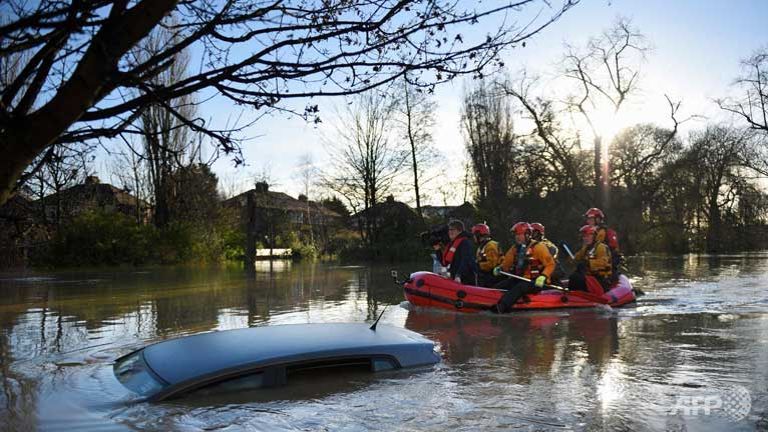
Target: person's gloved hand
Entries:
(497, 271)
(540, 281)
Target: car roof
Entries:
(191, 358)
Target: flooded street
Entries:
(692, 354)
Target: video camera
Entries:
(437, 234)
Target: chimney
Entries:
(262, 187)
(92, 180)
(390, 199)
(303, 198)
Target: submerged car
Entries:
(261, 357)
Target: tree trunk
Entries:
(32, 134)
(415, 172)
(412, 142)
(600, 189)
(250, 235)
(714, 224)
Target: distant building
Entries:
(299, 212)
(390, 211)
(465, 213)
(436, 212)
(276, 213)
(439, 214)
(92, 195)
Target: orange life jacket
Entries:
(534, 264)
(448, 256)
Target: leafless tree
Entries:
(129, 169)
(307, 175)
(230, 185)
(752, 105)
(559, 147)
(76, 80)
(716, 156)
(415, 116)
(64, 167)
(638, 153)
(486, 121)
(366, 159)
(607, 71)
(168, 140)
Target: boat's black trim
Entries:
(458, 303)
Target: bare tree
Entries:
(64, 167)
(560, 148)
(752, 105)
(716, 156)
(167, 140)
(607, 72)
(638, 154)
(366, 160)
(416, 118)
(129, 168)
(77, 81)
(230, 185)
(307, 175)
(488, 129)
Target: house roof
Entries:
(278, 200)
(99, 192)
(16, 208)
(388, 207)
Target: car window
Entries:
(242, 383)
(133, 373)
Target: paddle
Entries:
(568, 250)
(585, 295)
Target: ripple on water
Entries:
(697, 330)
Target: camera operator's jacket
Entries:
(488, 255)
(460, 259)
(537, 261)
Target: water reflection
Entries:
(702, 325)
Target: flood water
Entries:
(692, 354)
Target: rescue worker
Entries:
(593, 260)
(537, 233)
(595, 217)
(488, 255)
(528, 258)
(459, 257)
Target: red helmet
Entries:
(481, 229)
(521, 228)
(537, 227)
(588, 230)
(594, 212)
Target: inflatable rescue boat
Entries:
(427, 289)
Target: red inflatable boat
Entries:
(430, 290)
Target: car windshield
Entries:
(133, 373)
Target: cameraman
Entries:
(437, 238)
(460, 256)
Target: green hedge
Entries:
(107, 238)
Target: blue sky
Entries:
(697, 49)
